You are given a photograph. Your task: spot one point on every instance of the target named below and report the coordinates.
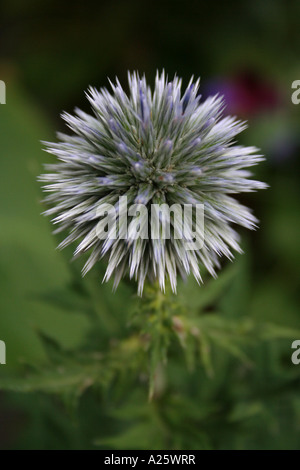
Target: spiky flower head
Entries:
(160, 147)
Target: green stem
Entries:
(156, 307)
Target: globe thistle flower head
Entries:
(156, 148)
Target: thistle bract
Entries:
(158, 148)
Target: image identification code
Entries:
(158, 459)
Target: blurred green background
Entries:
(50, 52)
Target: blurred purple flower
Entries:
(246, 93)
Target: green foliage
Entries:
(183, 357)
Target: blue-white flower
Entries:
(160, 147)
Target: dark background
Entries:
(50, 52)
